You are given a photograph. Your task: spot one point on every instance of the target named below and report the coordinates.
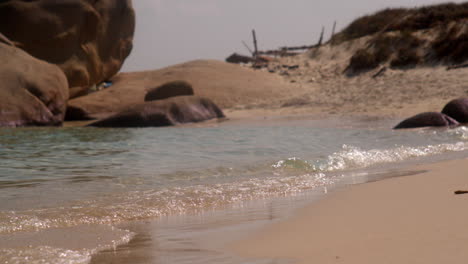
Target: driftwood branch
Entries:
(282, 51)
(254, 35)
(333, 30)
(380, 72)
(321, 37)
(464, 65)
(248, 48)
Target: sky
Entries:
(169, 32)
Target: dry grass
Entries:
(395, 37)
(369, 25)
(451, 46)
(402, 46)
(406, 58)
(403, 19)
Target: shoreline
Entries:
(416, 219)
(236, 234)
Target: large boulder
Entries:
(457, 109)
(228, 85)
(427, 119)
(169, 112)
(170, 89)
(88, 39)
(32, 92)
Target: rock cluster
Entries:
(50, 47)
(454, 113)
(167, 112)
(88, 40)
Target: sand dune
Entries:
(319, 85)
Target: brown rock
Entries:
(226, 84)
(170, 89)
(457, 109)
(169, 112)
(427, 119)
(32, 92)
(88, 40)
(238, 58)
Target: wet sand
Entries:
(415, 219)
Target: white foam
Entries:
(353, 157)
(44, 254)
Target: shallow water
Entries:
(52, 178)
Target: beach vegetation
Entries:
(451, 45)
(407, 37)
(400, 48)
(406, 58)
(403, 19)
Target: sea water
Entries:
(74, 179)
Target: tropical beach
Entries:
(287, 157)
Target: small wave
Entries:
(140, 205)
(293, 163)
(285, 177)
(51, 254)
(460, 132)
(353, 157)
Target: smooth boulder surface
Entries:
(427, 119)
(88, 40)
(170, 89)
(32, 92)
(169, 112)
(457, 109)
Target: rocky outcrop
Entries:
(457, 109)
(226, 84)
(169, 112)
(427, 119)
(170, 89)
(88, 40)
(32, 92)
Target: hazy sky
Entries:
(174, 31)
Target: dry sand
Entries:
(415, 219)
(315, 86)
(319, 87)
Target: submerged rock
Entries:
(88, 40)
(457, 109)
(427, 119)
(32, 92)
(170, 89)
(169, 112)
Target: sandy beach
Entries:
(414, 219)
(287, 156)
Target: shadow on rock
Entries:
(457, 109)
(170, 89)
(169, 112)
